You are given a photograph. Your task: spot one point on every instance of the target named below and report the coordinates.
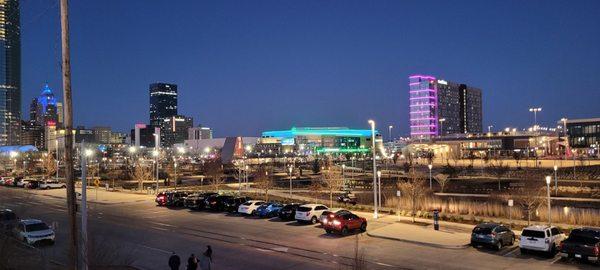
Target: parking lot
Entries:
(149, 233)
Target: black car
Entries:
(232, 205)
(217, 202)
(196, 201)
(8, 219)
(582, 243)
(288, 212)
(176, 198)
(347, 198)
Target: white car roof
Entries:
(312, 205)
(537, 228)
(253, 201)
(31, 221)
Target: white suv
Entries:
(48, 184)
(541, 238)
(310, 212)
(249, 207)
(32, 231)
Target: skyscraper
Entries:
(439, 107)
(175, 129)
(44, 109)
(163, 102)
(10, 73)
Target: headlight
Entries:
(337, 223)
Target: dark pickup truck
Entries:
(583, 243)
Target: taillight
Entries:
(494, 235)
(596, 251)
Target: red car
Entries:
(161, 199)
(343, 222)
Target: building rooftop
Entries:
(318, 131)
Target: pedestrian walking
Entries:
(206, 259)
(192, 263)
(174, 261)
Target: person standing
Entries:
(174, 261)
(192, 263)
(206, 259)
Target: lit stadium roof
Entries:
(326, 131)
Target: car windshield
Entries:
(535, 234)
(304, 209)
(481, 230)
(587, 238)
(36, 227)
(247, 204)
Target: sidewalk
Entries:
(423, 235)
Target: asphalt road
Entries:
(136, 229)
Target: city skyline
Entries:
(257, 66)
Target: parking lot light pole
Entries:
(548, 180)
(379, 189)
(555, 180)
(290, 169)
(375, 210)
(430, 182)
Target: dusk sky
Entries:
(247, 66)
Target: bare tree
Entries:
(49, 164)
(214, 171)
(529, 196)
(499, 170)
(442, 179)
(315, 189)
(141, 172)
(414, 189)
(333, 182)
(264, 180)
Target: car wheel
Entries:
(63, 187)
(313, 220)
(328, 231)
(512, 241)
(345, 231)
(498, 245)
(47, 188)
(363, 227)
(253, 213)
(552, 251)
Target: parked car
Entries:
(268, 210)
(9, 181)
(326, 213)
(161, 199)
(541, 238)
(34, 184)
(347, 198)
(582, 243)
(176, 198)
(492, 234)
(196, 201)
(8, 220)
(343, 222)
(288, 211)
(217, 202)
(48, 184)
(231, 205)
(2, 180)
(249, 207)
(310, 213)
(32, 231)
(22, 183)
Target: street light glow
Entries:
(155, 153)
(548, 179)
(88, 152)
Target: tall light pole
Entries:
(548, 180)
(379, 188)
(155, 155)
(343, 177)
(441, 120)
(535, 111)
(555, 180)
(290, 169)
(564, 121)
(375, 211)
(85, 154)
(246, 176)
(430, 166)
(390, 132)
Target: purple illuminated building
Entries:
(439, 107)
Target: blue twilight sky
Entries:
(247, 66)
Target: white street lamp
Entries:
(430, 166)
(535, 111)
(548, 180)
(441, 120)
(390, 132)
(375, 211)
(555, 180)
(379, 188)
(290, 169)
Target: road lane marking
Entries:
(162, 224)
(155, 249)
(384, 264)
(159, 228)
(511, 252)
(556, 260)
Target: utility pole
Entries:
(84, 215)
(73, 249)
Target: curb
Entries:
(420, 243)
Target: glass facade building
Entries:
(10, 73)
(163, 102)
(439, 107)
(584, 133)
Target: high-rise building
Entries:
(43, 109)
(439, 107)
(175, 129)
(33, 134)
(200, 133)
(10, 73)
(102, 135)
(163, 102)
